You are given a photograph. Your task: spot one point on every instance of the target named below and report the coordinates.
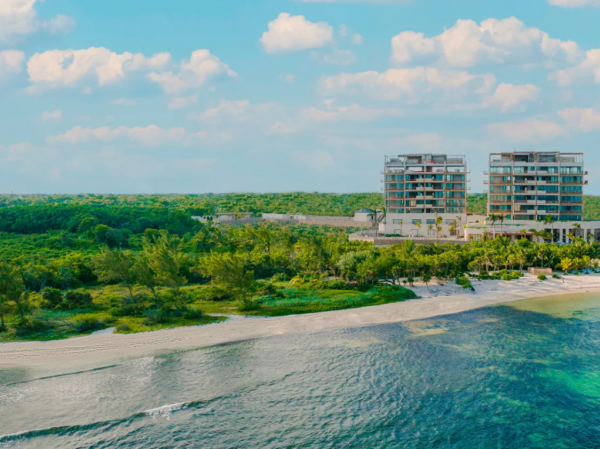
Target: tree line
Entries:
(241, 263)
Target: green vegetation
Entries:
(542, 277)
(75, 265)
(477, 203)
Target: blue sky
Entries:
(284, 95)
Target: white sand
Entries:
(435, 300)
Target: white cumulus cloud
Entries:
(412, 85)
(11, 61)
(64, 68)
(528, 130)
(201, 68)
(294, 33)
(353, 112)
(151, 135)
(18, 18)
(589, 68)
(508, 97)
(467, 44)
(583, 120)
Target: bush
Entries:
(249, 306)
(542, 277)
(556, 276)
(29, 327)
(464, 282)
(506, 275)
(157, 316)
(88, 323)
(51, 298)
(75, 299)
(123, 328)
(193, 314)
(280, 277)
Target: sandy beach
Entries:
(435, 300)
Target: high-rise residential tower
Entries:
(532, 185)
(422, 188)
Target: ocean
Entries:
(523, 375)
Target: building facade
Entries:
(424, 191)
(533, 185)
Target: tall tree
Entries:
(230, 272)
(12, 292)
(116, 266)
(165, 259)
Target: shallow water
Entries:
(520, 376)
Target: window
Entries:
(430, 221)
(570, 170)
(398, 222)
(500, 170)
(572, 189)
(500, 189)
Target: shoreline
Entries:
(434, 301)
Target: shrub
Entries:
(193, 314)
(51, 298)
(280, 277)
(156, 317)
(29, 327)
(464, 282)
(123, 328)
(88, 323)
(507, 275)
(249, 306)
(556, 276)
(542, 277)
(76, 300)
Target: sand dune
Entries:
(435, 300)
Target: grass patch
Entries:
(286, 299)
(300, 301)
(132, 325)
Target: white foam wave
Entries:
(164, 411)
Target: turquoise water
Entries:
(502, 377)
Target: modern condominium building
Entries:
(420, 188)
(533, 185)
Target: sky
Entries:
(196, 96)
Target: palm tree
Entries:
(549, 220)
(535, 233)
(578, 227)
(566, 264)
(438, 222)
(501, 220)
(418, 225)
(429, 229)
(452, 229)
(493, 218)
(542, 252)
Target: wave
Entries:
(60, 375)
(164, 411)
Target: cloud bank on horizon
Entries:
(229, 98)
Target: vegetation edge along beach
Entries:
(72, 265)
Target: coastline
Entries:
(434, 301)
